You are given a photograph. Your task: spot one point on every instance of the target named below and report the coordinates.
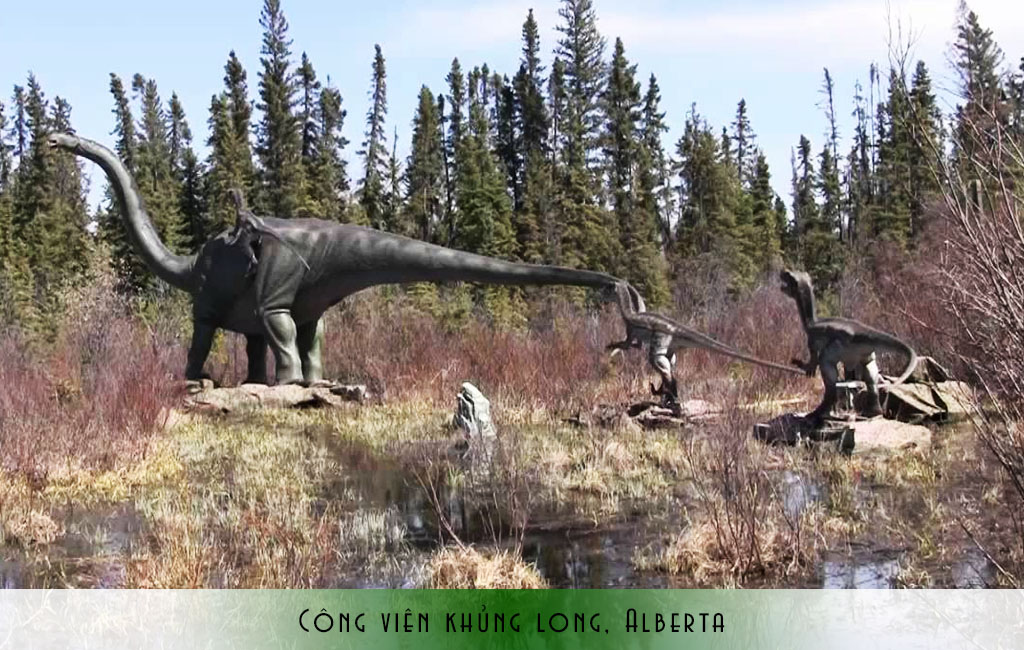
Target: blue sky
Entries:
(770, 53)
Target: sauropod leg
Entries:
(281, 332)
(202, 339)
(278, 278)
(310, 341)
(256, 353)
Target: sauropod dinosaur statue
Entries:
(834, 340)
(306, 267)
(663, 337)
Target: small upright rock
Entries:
(473, 413)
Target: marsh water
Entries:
(567, 551)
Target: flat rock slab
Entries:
(890, 435)
(856, 436)
(248, 396)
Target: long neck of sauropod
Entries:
(174, 269)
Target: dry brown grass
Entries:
(94, 395)
(467, 568)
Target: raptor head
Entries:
(792, 282)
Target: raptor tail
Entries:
(895, 344)
(911, 366)
(708, 343)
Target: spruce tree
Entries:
(127, 265)
(531, 120)
(124, 128)
(309, 100)
(582, 51)
(895, 141)
(925, 147)
(765, 218)
(309, 95)
(373, 152)
(656, 186)
(485, 210)
(239, 113)
(179, 135)
(424, 171)
(230, 162)
(188, 176)
(630, 177)
(18, 132)
(5, 194)
(484, 206)
(5, 152)
(453, 138)
(1015, 97)
(223, 172)
(977, 61)
(328, 180)
(279, 133)
(48, 215)
(393, 208)
(506, 138)
(708, 202)
(816, 244)
(832, 137)
(64, 227)
(830, 190)
(553, 225)
(743, 137)
(154, 173)
(588, 233)
(860, 181)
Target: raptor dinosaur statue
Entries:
(834, 340)
(663, 337)
(303, 269)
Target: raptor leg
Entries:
(310, 341)
(868, 372)
(202, 340)
(256, 353)
(661, 359)
(281, 332)
(829, 366)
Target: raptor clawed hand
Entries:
(808, 367)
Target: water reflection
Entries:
(973, 570)
(798, 492)
(870, 572)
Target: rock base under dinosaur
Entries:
(849, 436)
(203, 396)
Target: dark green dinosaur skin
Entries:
(306, 267)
